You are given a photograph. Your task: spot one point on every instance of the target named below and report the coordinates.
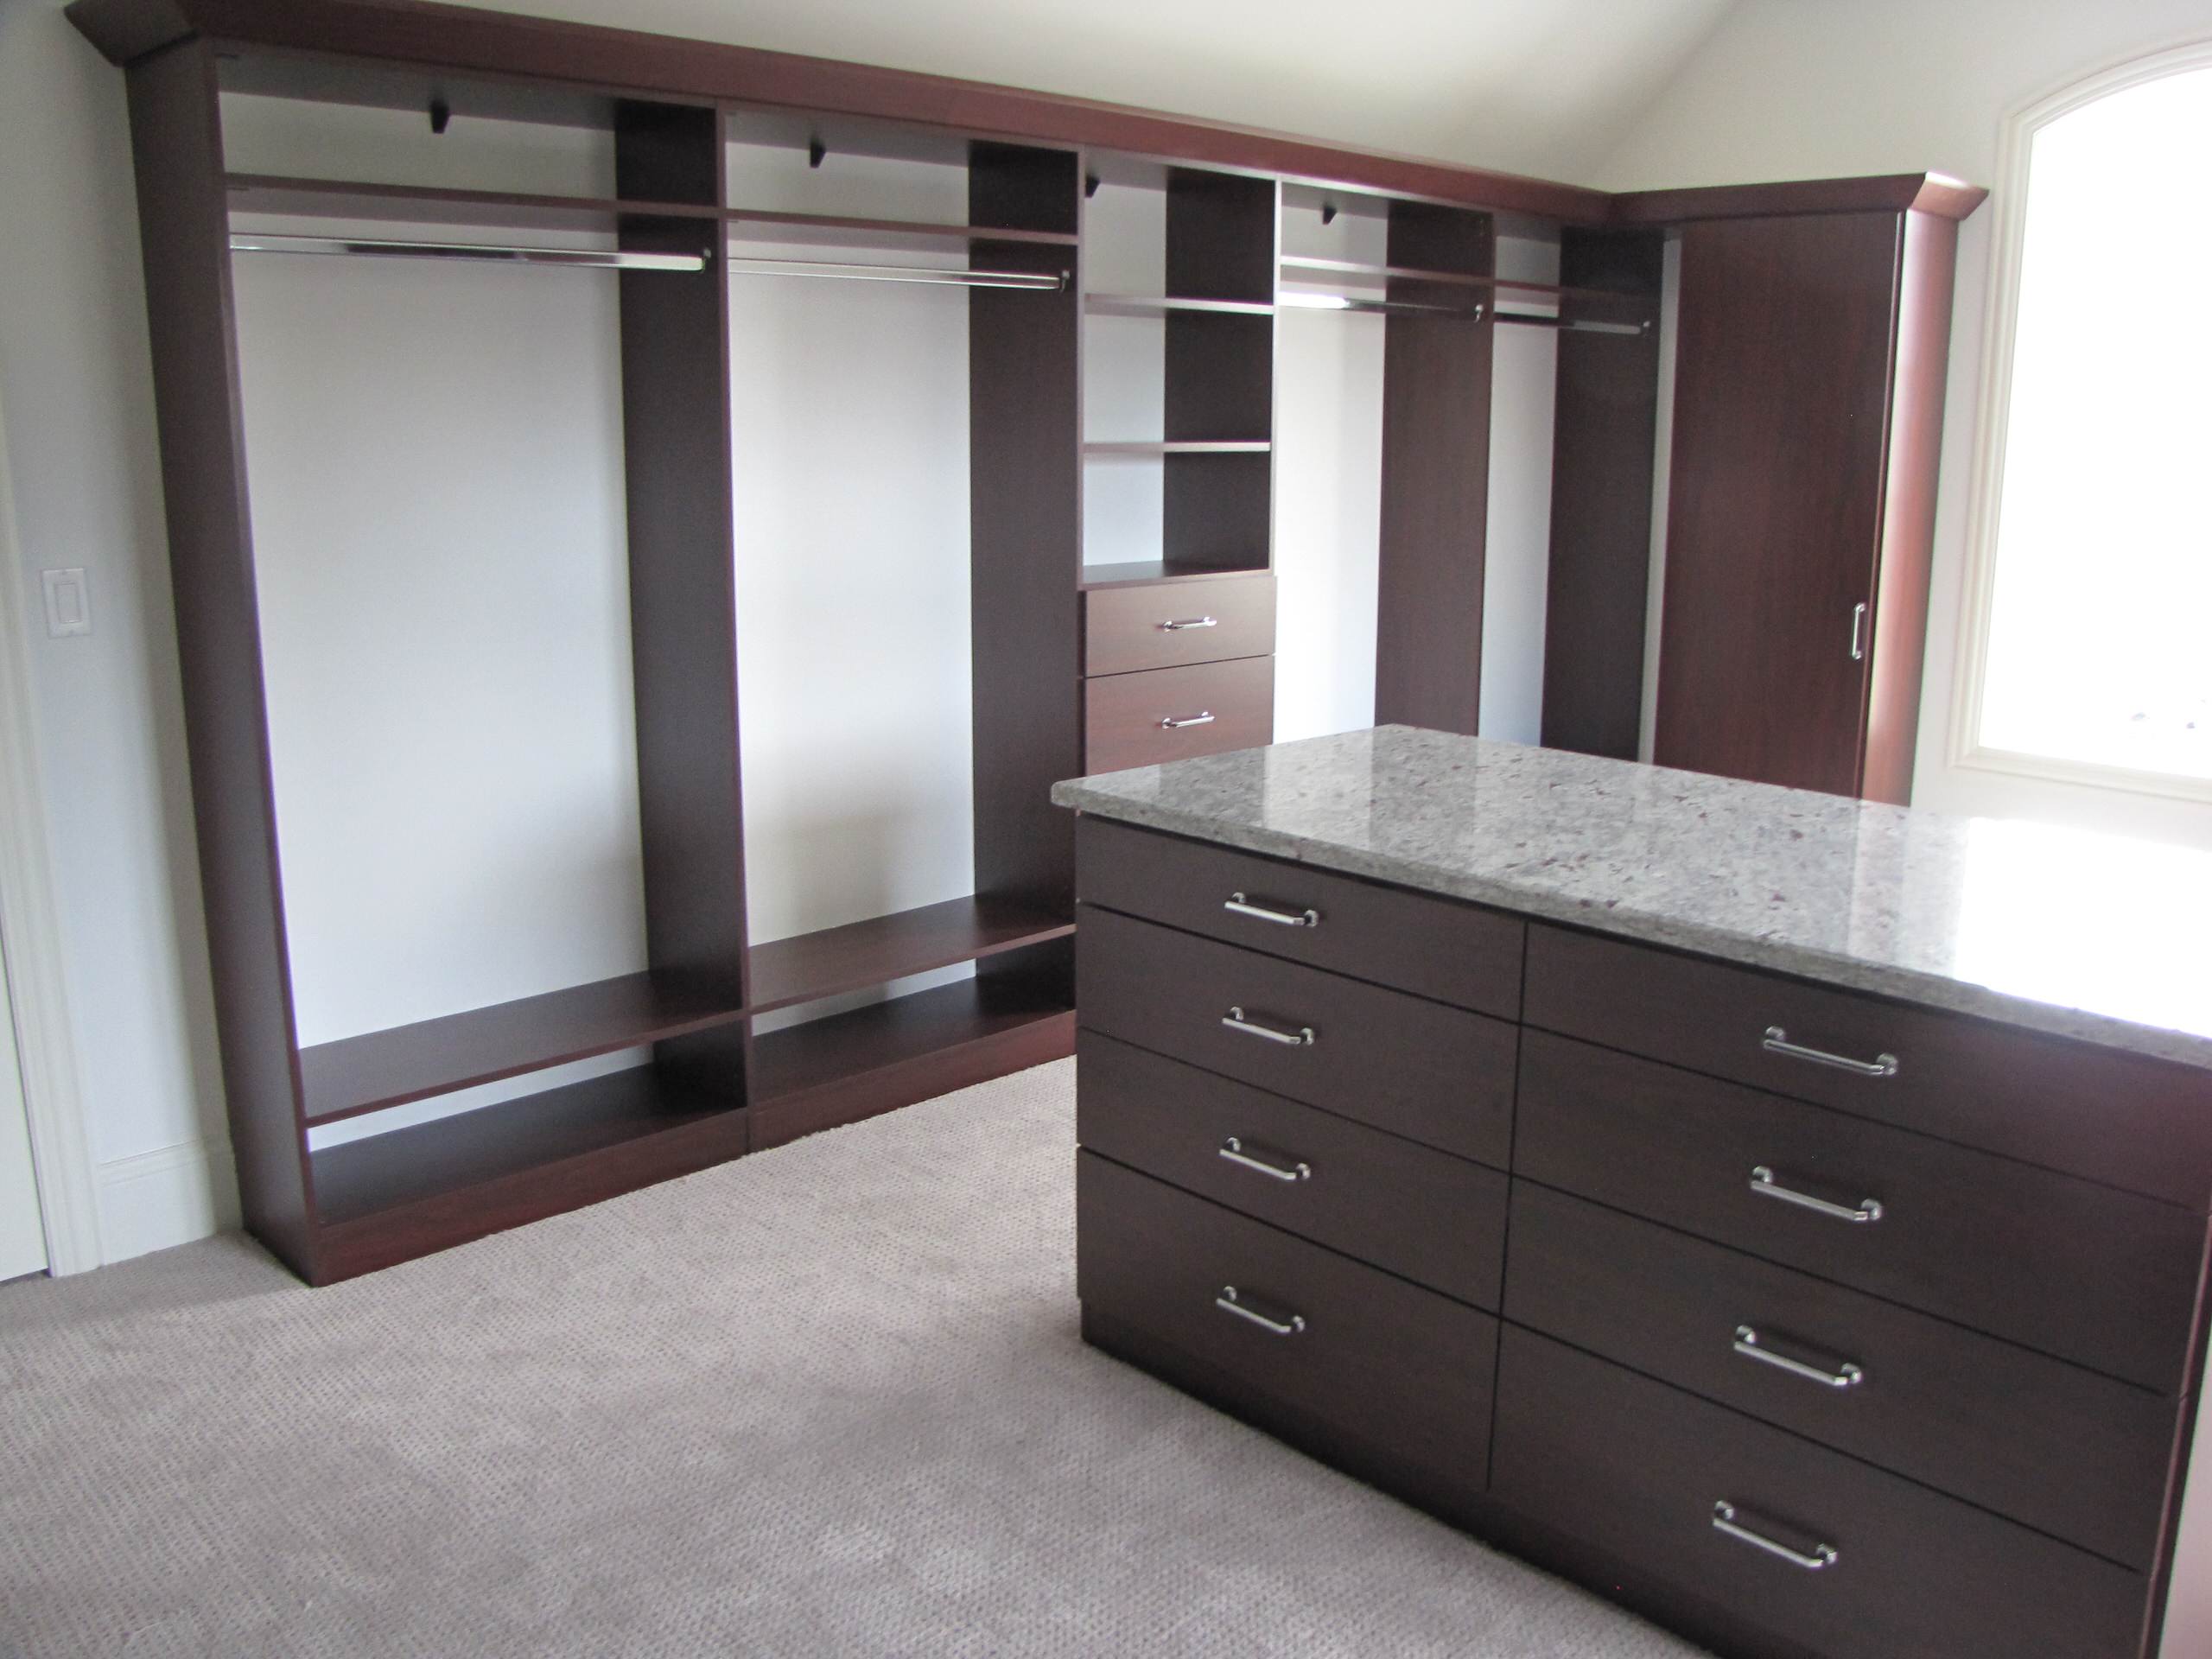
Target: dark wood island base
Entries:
(1803, 1321)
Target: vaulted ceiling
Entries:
(1541, 86)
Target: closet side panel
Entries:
(177, 148)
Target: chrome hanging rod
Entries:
(471, 252)
(1357, 304)
(1049, 281)
(1585, 325)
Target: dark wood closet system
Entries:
(1075, 666)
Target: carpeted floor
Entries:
(826, 1400)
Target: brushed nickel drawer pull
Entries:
(1233, 1149)
(1749, 1344)
(1724, 1520)
(1177, 722)
(1289, 1324)
(1190, 622)
(1302, 1037)
(1237, 904)
(1778, 1041)
(1764, 1184)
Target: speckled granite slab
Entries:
(2063, 931)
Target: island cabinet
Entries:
(1807, 1321)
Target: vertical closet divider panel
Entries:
(1436, 414)
(1603, 430)
(676, 423)
(177, 152)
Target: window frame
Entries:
(2016, 150)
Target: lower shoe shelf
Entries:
(396, 1196)
(893, 1053)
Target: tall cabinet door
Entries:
(1775, 510)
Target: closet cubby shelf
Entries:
(1140, 573)
(1142, 305)
(395, 1196)
(815, 1075)
(810, 966)
(1187, 446)
(391, 1067)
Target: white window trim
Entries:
(1985, 504)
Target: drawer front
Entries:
(2067, 1451)
(1424, 1215)
(1639, 1469)
(1395, 1369)
(1433, 947)
(2101, 1278)
(1434, 1074)
(1213, 706)
(1172, 625)
(2135, 1122)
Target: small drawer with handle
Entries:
(1433, 947)
(1431, 1073)
(2128, 1120)
(2102, 1278)
(1175, 714)
(1172, 625)
(1823, 1551)
(2067, 1451)
(1422, 1214)
(1276, 1328)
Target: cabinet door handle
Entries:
(1190, 622)
(1764, 1184)
(1750, 1346)
(1237, 904)
(1177, 722)
(1287, 1325)
(1302, 1037)
(1233, 1149)
(1859, 632)
(1724, 1520)
(1776, 1041)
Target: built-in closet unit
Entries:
(575, 807)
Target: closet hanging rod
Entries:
(1048, 281)
(471, 252)
(1384, 308)
(1585, 325)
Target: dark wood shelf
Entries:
(1301, 268)
(433, 1057)
(295, 198)
(1152, 572)
(1206, 447)
(893, 1053)
(1145, 305)
(396, 1196)
(829, 229)
(786, 972)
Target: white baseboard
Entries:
(172, 1196)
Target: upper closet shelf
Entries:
(1141, 305)
(253, 192)
(1187, 446)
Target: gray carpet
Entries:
(826, 1400)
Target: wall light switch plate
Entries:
(68, 603)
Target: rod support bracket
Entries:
(816, 150)
(440, 114)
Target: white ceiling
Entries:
(1542, 86)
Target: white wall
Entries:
(1796, 89)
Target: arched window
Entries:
(2089, 647)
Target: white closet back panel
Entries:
(290, 138)
(1517, 570)
(850, 437)
(436, 492)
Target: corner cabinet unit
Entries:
(1806, 1322)
(1813, 341)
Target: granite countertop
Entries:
(2065, 931)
